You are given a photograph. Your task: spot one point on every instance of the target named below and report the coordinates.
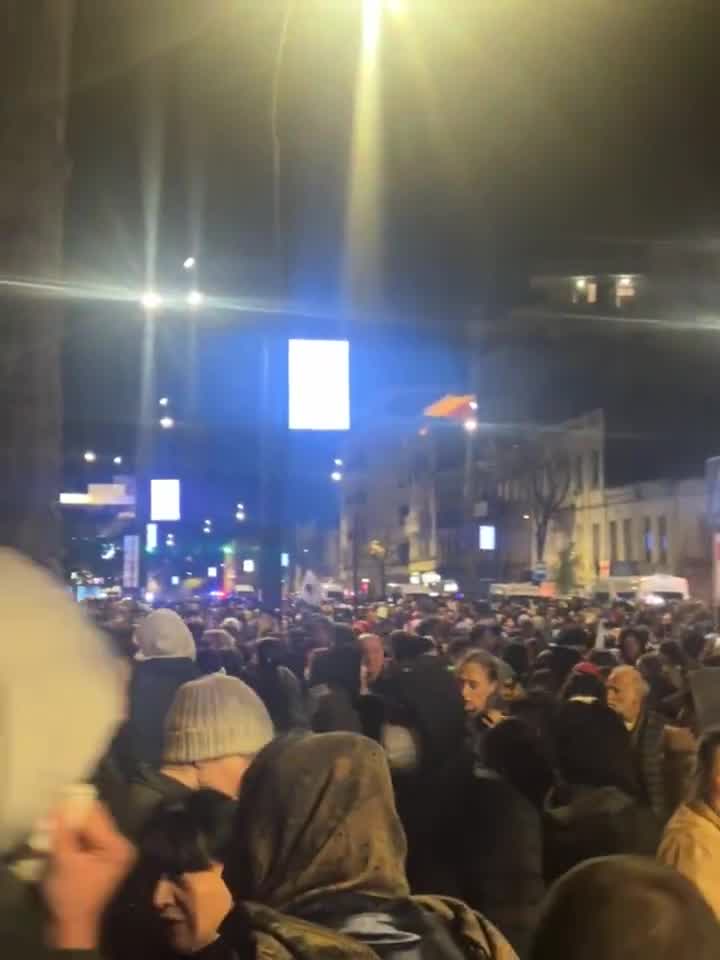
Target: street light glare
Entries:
(195, 298)
(117, 461)
(336, 476)
(151, 300)
(89, 456)
(189, 263)
(167, 423)
(338, 462)
(240, 516)
(471, 425)
(164, 401)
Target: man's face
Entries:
(624, 695)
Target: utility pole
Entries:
(34, 65)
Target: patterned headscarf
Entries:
(316, 816)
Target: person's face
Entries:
(624, 695)
(191, 907)
(476, 687)
(373, 657)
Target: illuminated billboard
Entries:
(164, 500)
(319, 384)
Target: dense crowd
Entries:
(430, 780)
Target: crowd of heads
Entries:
(287, 784)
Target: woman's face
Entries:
(476, 687)
(191, 907)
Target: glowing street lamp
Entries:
(117, 461)
(195, 298)
(338, 462)
(164, 401)
(471, 425)
(336, 476)
(240, 516)
(151, 300)
(189, 263)
(89, 456)
(167, 423)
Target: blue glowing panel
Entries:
(164, 500)
(319, 384)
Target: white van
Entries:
(658, 588)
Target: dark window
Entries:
(663, 539)
(579, 474)
(613, 542)
(596, 546)
(627, 539)
(648, 539)
(403, 554)
(595, 469)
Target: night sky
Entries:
(510, 130)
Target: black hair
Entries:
(339, 667)
(575, 637)
(479, 631)
(408, 646)
(516, 751)
(188, 835)
(584, 685)
(344, 636)
(516, 655)
(592, 747)
(693, 643)
(674, 653)
(272, 652)
(642, 636)
(624, 908)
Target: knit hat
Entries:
(163, 634)
(216, 716)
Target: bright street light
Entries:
(336, 476)
(338, 462)
(167, 423)
(89, 456)
(471, 425)
(240, 506)
(195, 298)
(117, 461)
(151, 300)
(189, 263)
(240, 516)
(164, 401)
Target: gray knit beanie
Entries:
(216, 716)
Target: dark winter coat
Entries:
(648, 745)
(153, 687)
(585, 822)
(147, 791)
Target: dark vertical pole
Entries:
(273, 468)
(355, 573)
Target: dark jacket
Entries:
(153, 687)
(585, 822)
(332, 710)
(147, 790)
(282, 693)
(648, 745)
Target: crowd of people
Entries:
(435, 779)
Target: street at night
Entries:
(359, 480)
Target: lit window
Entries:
(625, 290)
(487, 537)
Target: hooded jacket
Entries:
(165, 661)
(60, 701)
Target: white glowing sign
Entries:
(319, 384)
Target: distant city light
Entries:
(248, 566)
(195, 298)
(189, 263)
(487, 537)
(473, 405)
(625, 281)
(239, 506)
(151, 300)
(117, 461)
(89, 456)
(285, 560)
(338, 462)
(175, 581)
(526, 516)
(212, 571)
(240, 516)
(151, 537)
(164, 401)
(336, 476)
(167, 423)
(581, 283)
(471, 425)
(149, 596)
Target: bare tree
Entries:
(542, 467)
